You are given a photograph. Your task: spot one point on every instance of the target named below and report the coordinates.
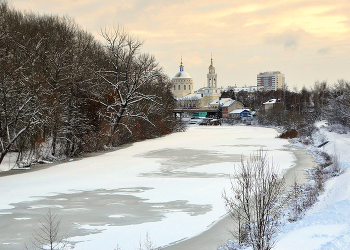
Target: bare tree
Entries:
(337, 112)
(295, 202)
(128, 74)
(321, 97)
(19, 89)
(146, 244)
(256, 202)
(48, 235)
(186, 102)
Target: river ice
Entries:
(168, 187)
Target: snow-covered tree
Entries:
(338, 109)
(62, 90)
(19, 87)
(129, 72)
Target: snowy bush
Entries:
(256, 202)
(232, 245)
(337, 128)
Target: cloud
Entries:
(192, 58)
(288, 39)
(291, 43)
(211, 7)
(255, 59)
(323, 51)
(241, 33)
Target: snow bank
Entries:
(327, 224)
(9, 161)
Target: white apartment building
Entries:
(271, 80)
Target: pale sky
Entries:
(307, 40)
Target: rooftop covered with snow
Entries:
(182, 74)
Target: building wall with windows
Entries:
(271, 80)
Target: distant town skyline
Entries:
(306, 40)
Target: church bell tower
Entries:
(212, 76)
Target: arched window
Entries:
(184, 87)
(179, 87)
(189, 87)
(174, 87)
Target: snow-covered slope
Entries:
(327, 224)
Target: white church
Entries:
(182, 87)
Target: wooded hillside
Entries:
(63, 93)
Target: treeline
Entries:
(298, 110)
(63, 93)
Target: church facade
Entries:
(182, 83)
(182, 86)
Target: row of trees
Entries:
(292, 100)
(299, 110)
(63, 93)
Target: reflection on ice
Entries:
(94, 208)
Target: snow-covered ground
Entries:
(9, 161)
(170, 187)
(327, 224)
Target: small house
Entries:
(270, 104)
(240, 113)
(230, 106)
(227, 105)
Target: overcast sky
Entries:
(307, 40)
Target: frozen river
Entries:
(169, 187)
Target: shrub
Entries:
(289, 134)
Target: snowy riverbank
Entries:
(327, 224)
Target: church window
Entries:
(184, 87)
(174, 87)
(189, 87)
(179, 87)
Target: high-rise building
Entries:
(271, 80)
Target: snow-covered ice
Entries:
(170, 187)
